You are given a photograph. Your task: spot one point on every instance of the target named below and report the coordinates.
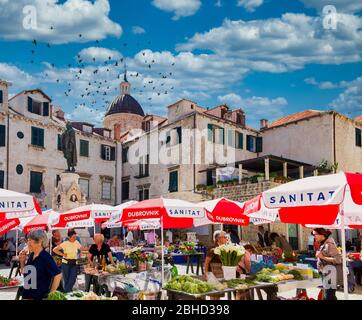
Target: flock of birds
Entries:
(97, 94)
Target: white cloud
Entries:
(138, 30)
(218, 4)
(256, 107)
(19, 78)
(86, 114)
(326, 84)
(350, 101)
(99, 54)
(282, 44)
(250, 5)
(68, 20)
(341, 5)
(180, 8)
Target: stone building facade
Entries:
(32, 160)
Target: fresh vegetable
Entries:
(189, 285)
(296, 274)
(56, 295)
(236, 283)
(316, 275)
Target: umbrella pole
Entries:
(16, 242)
(162, 257)
(344, 256)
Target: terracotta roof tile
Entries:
(359, 118)
(295, 117)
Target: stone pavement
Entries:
(10, 294)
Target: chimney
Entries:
(264, 124)
(117, 132)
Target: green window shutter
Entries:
(240, 141)
(46, 109)
(36, 179)
(259, 144)
(59, 142)
(2, 180)
(250, 143)
(125, 190)
(140, 195)
(173, 184)
(209, 179)
(179, 134)
(1, 97)
(230, 137)
(113, 153)
(84, 148)
(2, 136)
(358, 137)
(210, 132)
(221, 136)
(146, 194)
(103, 152)
(34, 136)
(30, 104)
(41, 137)
(124, 154)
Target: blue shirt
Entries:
(46, 270)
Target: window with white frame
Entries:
(106, 190)
(87, 129)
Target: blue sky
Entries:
(269, 57)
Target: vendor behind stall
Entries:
(100, 250)
(212, 260)
(281, 242)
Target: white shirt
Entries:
(129, 236)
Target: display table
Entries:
(189, 257)
(269, 288)
(284, 286)
(15, 266)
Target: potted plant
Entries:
(188, 247)
(139, 258)
(272, 176)
(201, 187)
(280, 179)
(230, 255)
(220, 184)
(260, 177)
(245, 180)
(235, 181)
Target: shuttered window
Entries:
(240, 140)
(30, 104)
(210, 133)
(2, 136)
(221, 136)
(259, 144)
(37, 137)
(36, 179)
(358, 138)
(2, 179)
(173, 182)
(106, 190)
(1, 97)
(84, 148)
(125, 190)
(108, 153)
(125, 155)
(46, 109)
(250, 143)
(59, 142)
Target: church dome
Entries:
(125, 103)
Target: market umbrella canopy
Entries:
(17, 205)
(116, 216)
(8, 225)
(175, 213)
(256, 209)
(149, 224)
(315, 200)
(225, 211)
(41, 222)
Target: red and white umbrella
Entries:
(142, 225)
(173, 212)
(8, 225)
(40, 222)
(318, 201)
(116, 216)
(17, 205)
(223, 211)
(96, 212)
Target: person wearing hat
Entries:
(69, 250)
